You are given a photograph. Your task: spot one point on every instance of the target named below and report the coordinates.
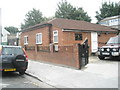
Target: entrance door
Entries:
(94, 42)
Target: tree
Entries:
(66, 10)
(12, 30)
(108, 10)
(33, 17)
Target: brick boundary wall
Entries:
(66, 55)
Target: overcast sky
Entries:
(13, 11)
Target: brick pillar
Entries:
(36, 50)
(76, 55)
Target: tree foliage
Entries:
(108, 10)
(12, 30)
(66, 10)
(33, 17)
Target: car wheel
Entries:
(101, 57)
(21, 72)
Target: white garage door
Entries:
(94, 42)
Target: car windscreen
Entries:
(12, 50)
(114, 40)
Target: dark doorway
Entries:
(83, 53)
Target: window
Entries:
(12, 50)
(39, 38)
(55, 36)
(25, 40)
(78, 36)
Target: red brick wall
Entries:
(64, 38)
(68, 50)
(32, 36)
(67, 55)
(103, 38)
(69, 38)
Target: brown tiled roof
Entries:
(78, 25)
(73, 25)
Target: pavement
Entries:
(97, 74)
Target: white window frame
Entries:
(40, 39)
(55, 35)
(25, 40)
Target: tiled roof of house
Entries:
(74, 25)
(78, 25)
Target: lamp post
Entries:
(0, 28)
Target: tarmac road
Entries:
(14, 80)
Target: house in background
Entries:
(113, 22)
(10, 39)
(5, 34)
(13, 39)
(57, 40)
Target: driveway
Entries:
(108, 67)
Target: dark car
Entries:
(13, 58)
(112, 49)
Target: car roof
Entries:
(10, 46)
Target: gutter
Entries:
(76, 30)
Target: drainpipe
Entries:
(50, 41)
(50, 26)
